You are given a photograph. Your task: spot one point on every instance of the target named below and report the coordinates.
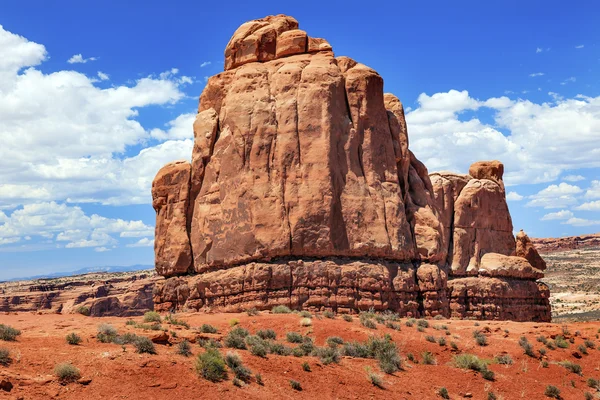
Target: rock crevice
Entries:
(299, 155)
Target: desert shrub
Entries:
(379, 318)
(184, 348)
(454, 346)
(329, 355)
(295, 385)
(150, 327)
(307, 346)
(237, 382)
(334, 341)
(210, 343)
(593, 383)
(126, 338)
(375, 379)
(266, 334)
(552, 392)
(589, 344)
(144, 345)
(560, 341)
(347, 318)
(367, 322)
(443, 393)
(356, 349)
(542, 352)
(5, 358)
(328, 314)
(305, 322)
(423, 323)
(526, 346)
(294, 337)
(571, 366)
(550, 345)
(430, 338)
(410, 322)
(542, 339)
(83, 310)
(565, 330)
(171, 319)
(386, 352)
(582, 349)
(211, 366)
(236, 338)
(233, 322)
(206, 328)
(306, 366)
(73, 339)
(257, 345)
(279, 349)
(234, 362)
(438, 317)
(488, 375)
(391, 316)
(152, 316)
(281, 309)
(67, 372)
(504, 359)
(491, 396)
(544, 364)
(410, 357)
(480, 338)
(297, 352)
(259, 379)
(588, 396)
(420, 329)
(252, 312)
(470, 361)
(8, 333)
(428, 358)
(392, 325)
(106, 333)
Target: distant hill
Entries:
(87, 270)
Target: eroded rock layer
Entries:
(302, 191)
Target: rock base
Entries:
(348, 286)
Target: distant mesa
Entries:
(303, 191)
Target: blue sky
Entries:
(94, 99)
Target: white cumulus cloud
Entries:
(513, 196)
(562, 214)
(590, 206)
(78, 59)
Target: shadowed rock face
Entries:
(299, 155)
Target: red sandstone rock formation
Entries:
(303, 191)
(550, 245)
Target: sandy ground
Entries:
(120, 373)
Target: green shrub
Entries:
(430, 338)
(305, 322)
(582, 349)
(441, 341)
(237, 382)
(306, 366)
(328, 314)
(542, 352)
(443, 393)
(252, 312)
(526, 346)
(504, 359)
(544, 364)
(386, 352)
(171, 319)
(542, 339)
(368, 323)
(8, 333)
(259, 379)
(281, 309)
(588, 396)
(206, 328)
(294, 337)
(334, 341)
(258, 346)
(234, 362)
(480, 338)
(83, 310)
(469, 361)
(410, 357)
(307, 346)
(144, 345)
(67, 372)
(491, 396)
(233, 322)
(236, 338)
(552, 391)
(211, 366)
(392, 325)
(550, 345)
(589, 344)
(295, 385)
(571, 366)
(5, 358)
(488, 375)
(428, 358)
(375, 379)
(561, 342)
(454, 346)
(438, 317)
(152, 316)
(73, 339)
(266, 334)
(279, 349)
(593, 383)
(410, 322)
(184, 348)
(329, 355)
(106, 333)
(210, 343)
(347, 318)
(130, 322)
(126, 338)
(356, 349)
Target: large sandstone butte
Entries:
(302, 191)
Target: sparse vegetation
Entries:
(306, 366)
(281, 309)
(526, 346)
(5, 358)
(443, 393)
(67, 372)
(305, 322)
(582, 349)
(252, 312)
(236, 338)
(441, 341)
(8, 333)
(234, 362)
(233, 322)
(144, 345)
(266, 334)
(347, 318)
(561, 342)
(73, 339)
(171, 319)
(83, 310)
(480, 338)
(329, 355)
(470, 361)
(593, 383)
(589, 344)
(571, 366)
(295, 385)
(211, 366)
(259, 379)
(504, 359)
(106, 333)
(552, 392)
(334, 341)
(294, 337)
(184, 348)
(375, 379)
(430, 338)
(258, 346)
(368, 322)
(423, 323)
(428, 358)
(206, 328)
(328, 314)
(152, 316)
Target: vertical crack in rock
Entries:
(303, 191)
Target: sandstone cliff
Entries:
(302, 191)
